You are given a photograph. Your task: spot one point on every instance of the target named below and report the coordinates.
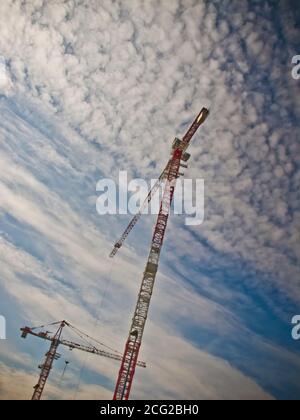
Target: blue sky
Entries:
(88, 88)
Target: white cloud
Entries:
(5, 81)
(123, 76)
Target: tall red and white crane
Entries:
(52, 353)
(169, 175)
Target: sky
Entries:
(89, 88)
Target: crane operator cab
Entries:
(177, 144)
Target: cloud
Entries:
(16, 384)
(5, 82)
(95, 88)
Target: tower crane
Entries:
(52, 353)
(178, 159)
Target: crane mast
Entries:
(52, 353)
(46, 367)
(132, 346)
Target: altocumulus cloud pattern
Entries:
(88, 88)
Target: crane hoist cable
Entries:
(63, 373)
(97, 320)
(52, 354)
(90, 339)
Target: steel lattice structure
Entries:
(170, 174)
(52, 353)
